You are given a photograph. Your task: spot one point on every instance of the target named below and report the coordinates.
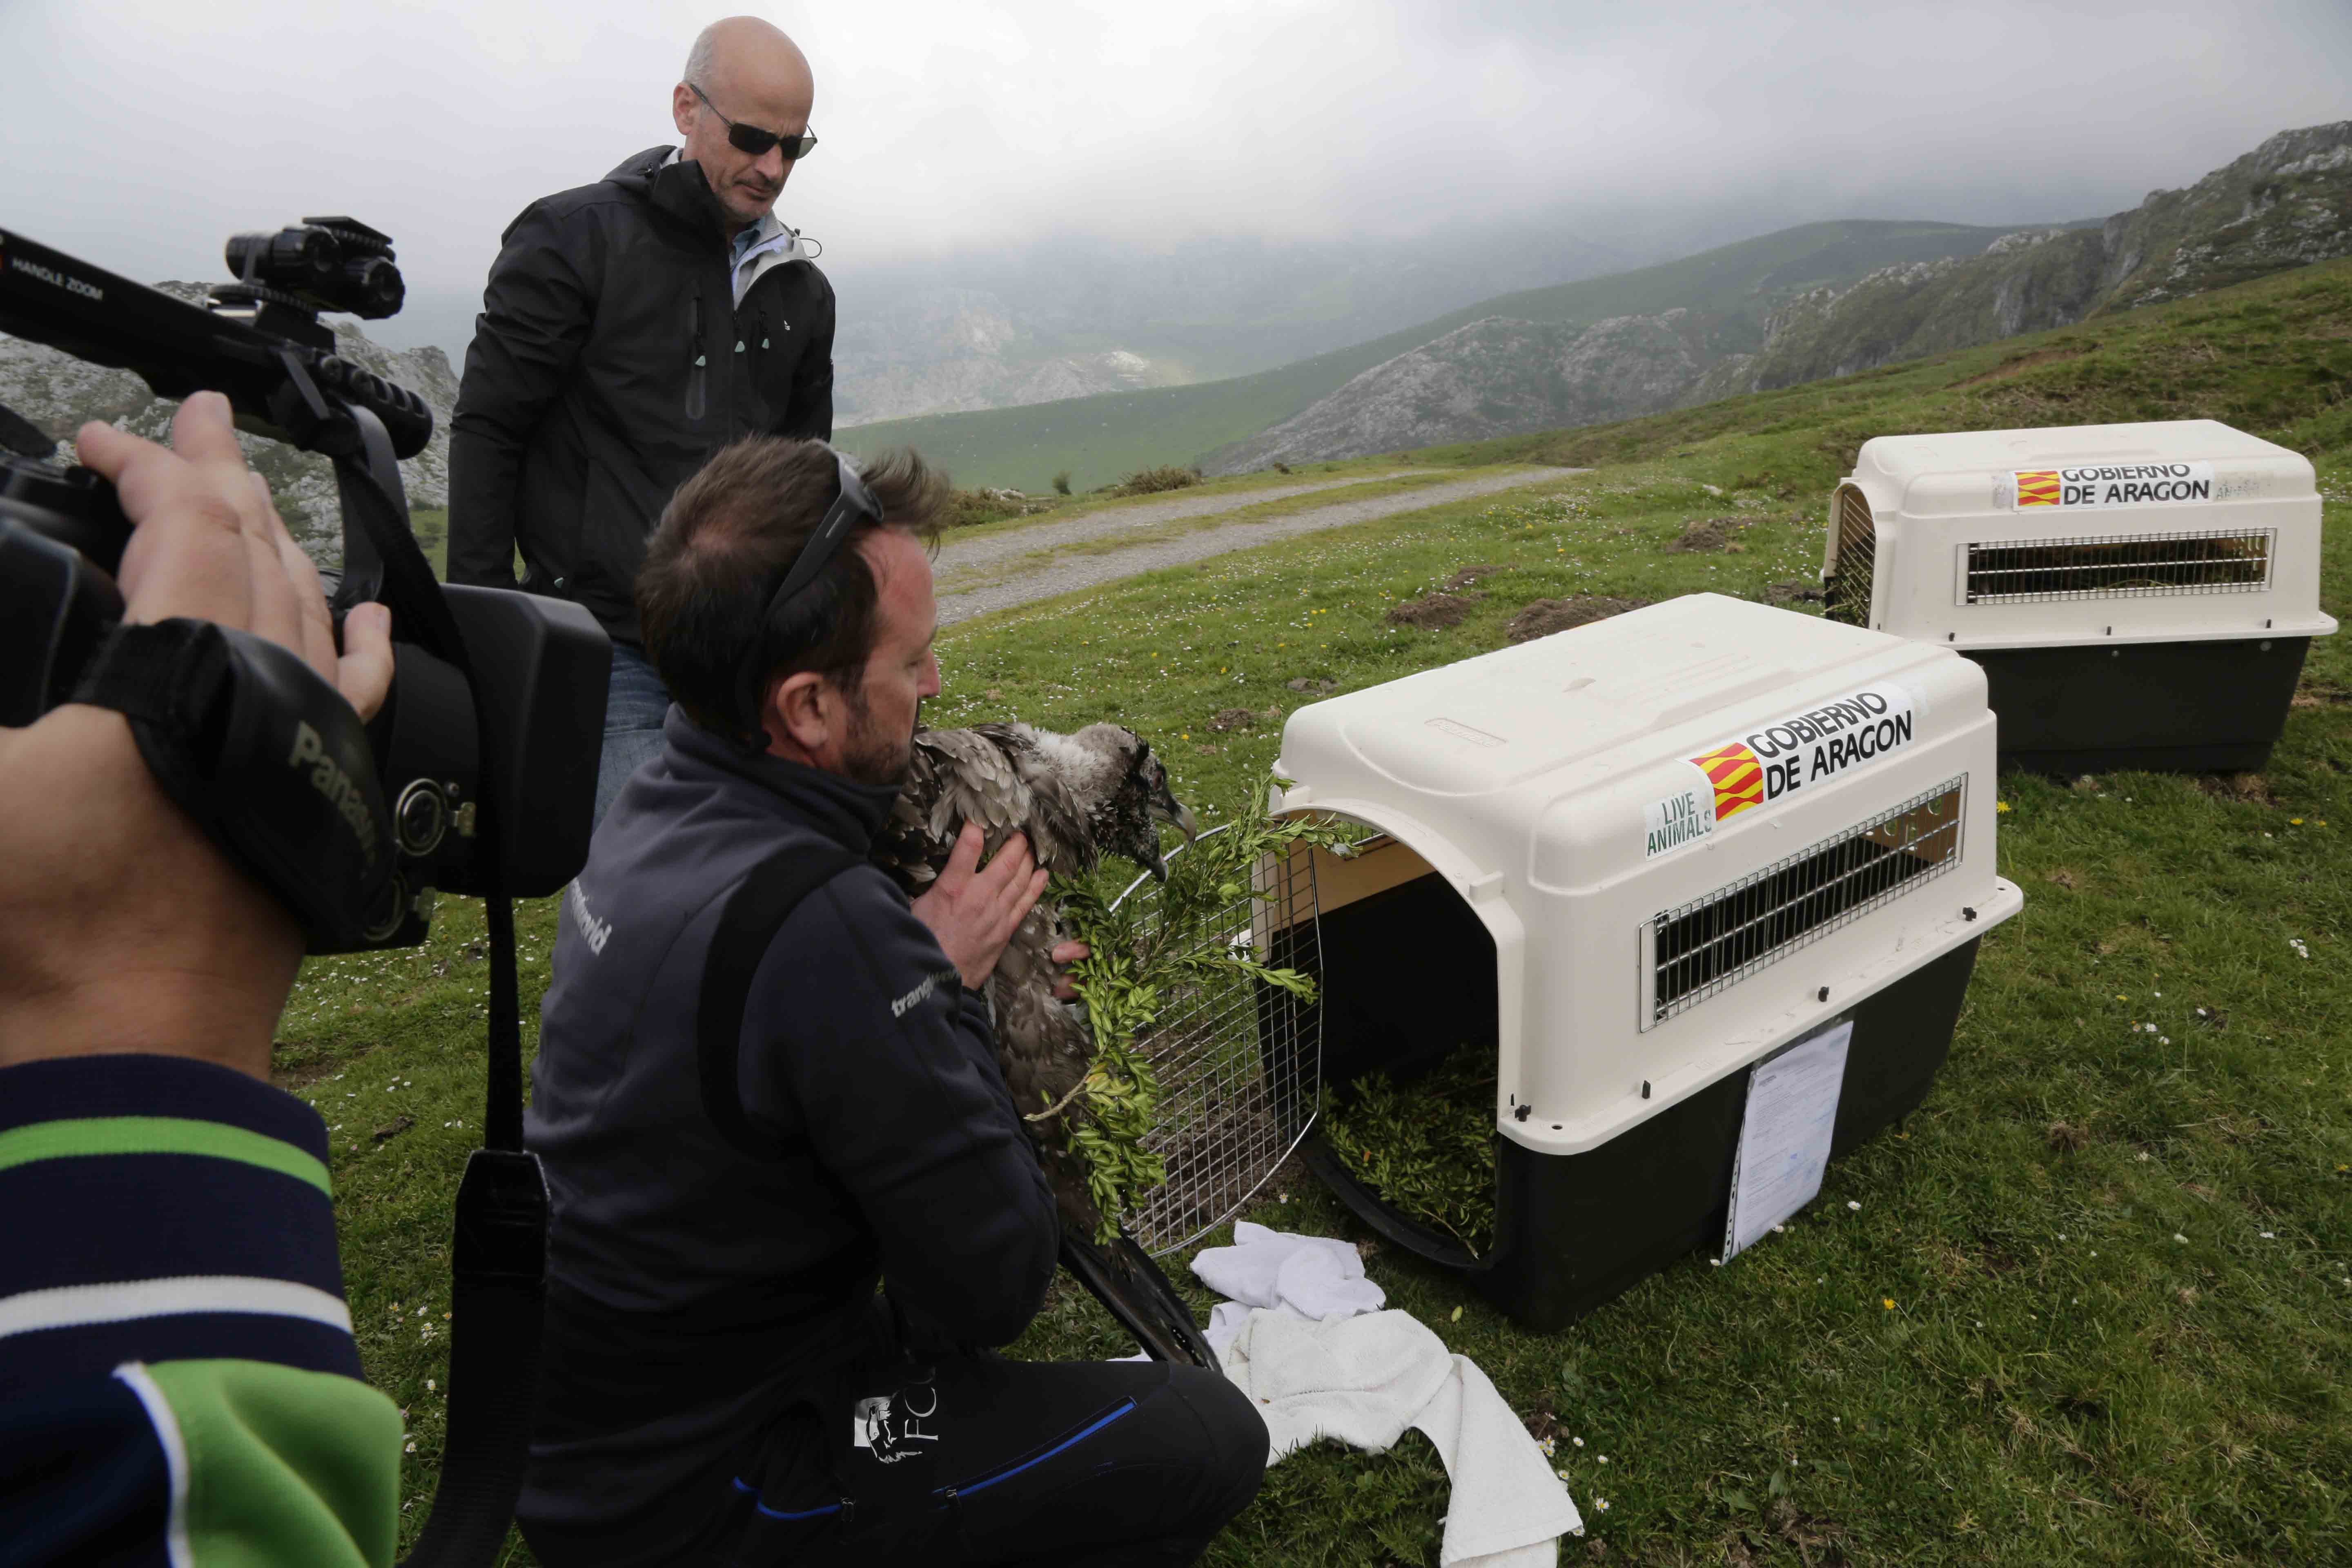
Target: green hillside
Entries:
(2273, 357)
(1097, 439)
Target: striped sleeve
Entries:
(178, 1382)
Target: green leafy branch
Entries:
(1139, 962)
(1425, 1148)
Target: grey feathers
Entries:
(1077, 797)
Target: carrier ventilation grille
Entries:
(2117, 566)
(1707, 946)
(1847, 591)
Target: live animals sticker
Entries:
(1683, 818)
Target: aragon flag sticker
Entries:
(1737, 776)
(1775, 760)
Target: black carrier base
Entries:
(2165, 707)
(1574, 1231)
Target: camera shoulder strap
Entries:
(755, 912)
(268, 758)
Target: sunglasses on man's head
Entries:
(752, 139)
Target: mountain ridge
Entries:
(1097, 439)
(2287, 202)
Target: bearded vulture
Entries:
(1077, 797)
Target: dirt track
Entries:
(1083, 529)
(1052, 577)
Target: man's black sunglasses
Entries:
(752, 139)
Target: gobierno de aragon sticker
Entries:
(2112, 484)
(1774, 761)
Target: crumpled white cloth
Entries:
(1314, 1276)
(1364, 1380)
(1305, 1337)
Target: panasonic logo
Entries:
(57, 279)
(327, 776)
(593, 931)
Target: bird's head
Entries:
(1126, 816)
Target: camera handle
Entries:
(498, 1261)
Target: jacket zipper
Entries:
(1007, 1472)
(697, 393)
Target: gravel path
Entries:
(1055, 577)
(1096, 525)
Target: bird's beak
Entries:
(1169, 809)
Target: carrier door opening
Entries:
(1409, 994)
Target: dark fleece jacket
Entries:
(696, 1292)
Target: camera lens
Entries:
(390, 908)
(420, 818)
(373, 287)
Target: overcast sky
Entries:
(140, 133)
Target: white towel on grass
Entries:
(1363, 1380)
(1314, 1276)
(1303, 1336)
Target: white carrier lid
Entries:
(1578, 708)
(2053, 512)
(1573, 787)
(1983, 463)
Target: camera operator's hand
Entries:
(121, 927)
(974, 910)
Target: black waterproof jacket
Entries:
(696, 1293)
(609, 360)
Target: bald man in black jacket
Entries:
(630, 329)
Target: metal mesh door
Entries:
(1239, 1064)
(1854, 562)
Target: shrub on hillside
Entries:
(1150, 481)
(1061, 483)
(966, 507)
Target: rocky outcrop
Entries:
(60, 392)
(2287, 202)
(869, 391)
(1493, 377)
(950, 351)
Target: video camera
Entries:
(477, 776)
(483, 758)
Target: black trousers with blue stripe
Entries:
(971, 1461)
(986, 1461)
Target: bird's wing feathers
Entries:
(1010, 778)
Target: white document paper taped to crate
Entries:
(1692, 833)
(1784, 1136)
(2167, 531)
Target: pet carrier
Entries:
(1636, 860)
(2139, 595)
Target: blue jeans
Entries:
(633, 707)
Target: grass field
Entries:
(2094, 1304)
